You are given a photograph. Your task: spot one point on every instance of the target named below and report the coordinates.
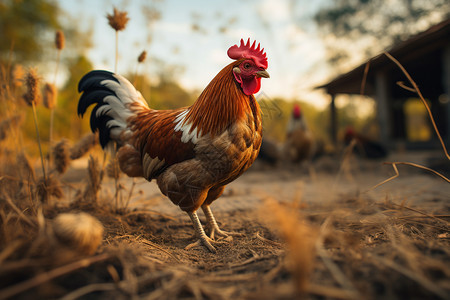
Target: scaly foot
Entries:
(203, 239)
(213, 228)
(215, 231)
(206, 241)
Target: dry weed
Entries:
(61, 156)
(83, 146)
(113, 169)
(300, 239)
(93, 185)
(118, 20)
(32, 80)
(32, 98)
(24, 167)
(59, 40)
(47, 188)
(7, 126)
(50, 94)
(142, 56)
(17, 75)
(80, 232)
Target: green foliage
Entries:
(22, 25)
(275, 115)
(70, 125)
(169, 95)
(277, 112)
(165, 94)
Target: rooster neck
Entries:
(221, 104)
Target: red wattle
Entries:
(251, 86)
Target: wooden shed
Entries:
(426, 57)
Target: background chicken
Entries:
(269, 152)
(299, 145)
(364, 146)
(192, 152)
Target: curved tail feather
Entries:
(112, 96)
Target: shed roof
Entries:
(410, 51)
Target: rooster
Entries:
(299, 145)
(192, 152)
(363, 145)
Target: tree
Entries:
(373, 26)
(66, 112)
(22, 26)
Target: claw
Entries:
(203, 239)
(213, 228)
(206, 241)
(217, 232)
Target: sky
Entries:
(285, 29)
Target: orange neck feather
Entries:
(221, 104)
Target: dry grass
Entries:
(355, 248)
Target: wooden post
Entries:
(333, 120)
(446, 85)
(383, 115)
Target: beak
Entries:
(262, 73)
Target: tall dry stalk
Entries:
(113, 171)
(13, 77)
(415, 89)
(140, 60)
(59, 44)
(94, 180)
(118, 21)
(419, 93)
(32, 98)
(51, 90)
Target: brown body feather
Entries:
(192, 152)
(228, 123)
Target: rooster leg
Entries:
(202, 237)
(212, 226)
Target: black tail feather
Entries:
(93, 79)
(94, 93)
(90, 97)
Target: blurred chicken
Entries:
(299, 145)
(192, 152)
(269, 152)
(364, 146)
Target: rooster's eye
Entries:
(246, 66)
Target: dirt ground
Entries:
(317, 232)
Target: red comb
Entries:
(297, 111)
(247, 51)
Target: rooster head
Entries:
(297, 112)
(250, 67)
